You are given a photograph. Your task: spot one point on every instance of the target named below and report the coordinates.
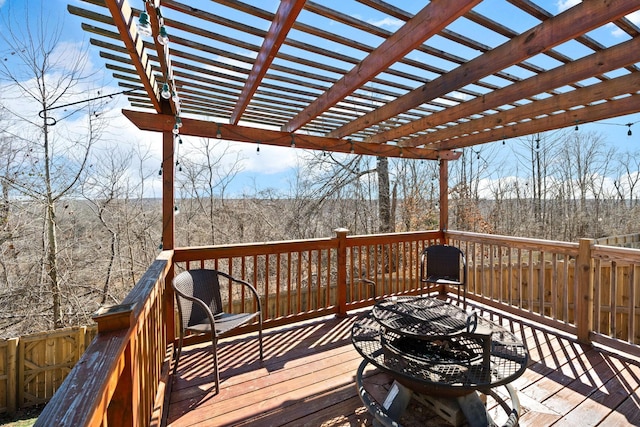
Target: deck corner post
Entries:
(444, 195)
(341, 236)
(584, 297)
(168, 187)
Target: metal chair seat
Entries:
(445, 265)
(201, 311)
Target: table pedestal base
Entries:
(469, 407)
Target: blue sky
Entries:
(273, 166)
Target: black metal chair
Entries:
(445, 265)
(201, 311)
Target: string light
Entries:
(165, 91)
(163, 36)
(178, 121)
(576, 128)
(351, 142)
(293, 141)
(143, 25)
(176, 129)
(160, 171)
(629, 133)
(219, 133)
(176, 209)
(174, 96)
(258, 147)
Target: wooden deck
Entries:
(309, 371)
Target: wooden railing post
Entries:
(584, 298)
(341, 235)
(122, 409)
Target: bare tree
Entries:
(41, 73)
(203, 175)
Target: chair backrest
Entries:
(203, 285)
(443, 261)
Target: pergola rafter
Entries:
(606, 60)
(280, 26)
(404, 91)
(453, 74)
(431, 19)
(572, 23)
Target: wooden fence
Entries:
(32, 367)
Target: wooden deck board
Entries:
(308, 379)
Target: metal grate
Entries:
(405, 338)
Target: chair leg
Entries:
(260, 339)
(214, 342)
(178, 352)
(464, 298)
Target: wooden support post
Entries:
(444, 195)
(341, 235)
(168, 198)
(584, 297)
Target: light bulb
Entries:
(163, 37)
(165, 91)
(174, 96)
(176, 130)
(144, 27)
(178, 121)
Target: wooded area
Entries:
(108, 233)
(77, 228)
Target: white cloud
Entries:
(387, 22)
(566, 4)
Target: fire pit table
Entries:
(434, 348)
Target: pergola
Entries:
(453, 73)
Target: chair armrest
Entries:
(248, 285)
(202, 305)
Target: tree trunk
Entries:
(384, 196)
(52, 266)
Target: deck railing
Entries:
(581, 288)
(123, 370)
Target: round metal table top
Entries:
(449, 366)
(420, 317)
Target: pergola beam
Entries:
(124, 20)
(592, 113)
(282, 22)
(426, 23)
(604, 61)
(573, 22)
(609, 89)
(207, 129)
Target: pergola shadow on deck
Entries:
(308, 378)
